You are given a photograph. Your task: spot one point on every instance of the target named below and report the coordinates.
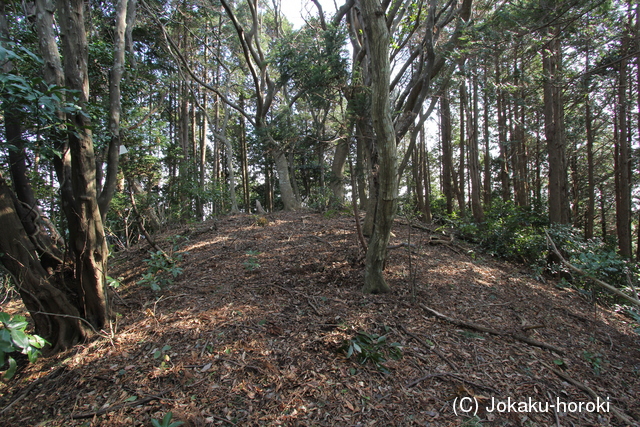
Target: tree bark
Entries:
(447, 157)
(387, 186)
(336, 181)
(56, 319)
(622, 163)
(474, 159)
(115, 109)
(86, 234)
(554, 132)
(286, 190)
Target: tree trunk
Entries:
(86, 234)
(336, 181)
(56, 319)
(387, 186)
(502, 139)
(244, 161)
(286, 190)
(447, 157)
(487, 143)
(115, 108)
(474, 161)
(554, 132)
(462, 143)
(622, 163)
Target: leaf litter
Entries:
(251, 334)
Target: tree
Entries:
(378, 49)
(68, 301)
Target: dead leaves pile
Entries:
(250, 335)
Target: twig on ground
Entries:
(434, 350)
(628, 421)
(481, 328)
(31, 386)
(119, 406)
(291, 291)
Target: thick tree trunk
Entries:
(286, 190)
(554, 132)
(387, 186)
(336, 181)
(86, 234)
(55, 317)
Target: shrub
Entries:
(14, 338)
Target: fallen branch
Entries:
(481, 328)
(119, 406)
(613, 289)
(627, 421)
(292, 292)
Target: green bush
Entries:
(14, 338)
(518, 234)
(372, 348)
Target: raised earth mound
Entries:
(257, 329)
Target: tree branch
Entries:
(584, 273)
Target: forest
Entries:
(162, 160)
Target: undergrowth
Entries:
(518, 234)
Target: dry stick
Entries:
(291, 291)
(434, 350)
(584, 273)
(481, 328)
(119, 406)
(628, 421)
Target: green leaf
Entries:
(13, 366)
(131, 399)
(20, 338)
(18, 322)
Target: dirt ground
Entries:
(253, 332)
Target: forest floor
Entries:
(250, 335)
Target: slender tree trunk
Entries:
(115, 109)
(462, 143)
(474, 161)
(447, 157)
(502, 139)
(622, 163)
(426, 177)
(487, 193)
(387, 186)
